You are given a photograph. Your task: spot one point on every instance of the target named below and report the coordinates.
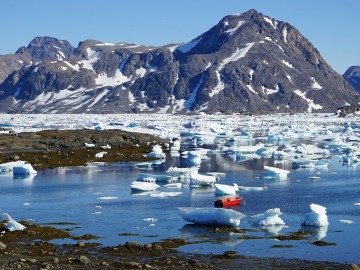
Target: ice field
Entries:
(296, 173)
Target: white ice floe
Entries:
(357, 204)
(211, 216)
(166, 194)
(13, 225)
(197, 179)
(278, 172)
(244, 188)
(8, 166)
(346, 221)
(156, 152)
(317, 217)
(269, 218)
(143, 186)
(221, 189)
(107, 198)
(173, 185)
(25, 169)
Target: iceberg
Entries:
(156, 152)
(9, 166)
(143, 186)
(197, 179)
(280, 173)
(211, 216)
(13, 225)
(269, 218)
(24, 169)
(317, 217)
(221, 189)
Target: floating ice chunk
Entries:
(350, 158)
(143, 186)
(166, 194)
(347, 221)
(269, 218)
(202, 180)
(173, 185)
(251, 188)
(221, 189)
(278, 172)
(25, 169)
(107, 198)
(150, 219)
(182, 172)
(211, 216)
(357, 204)
(9, 166)
(13, 225)
(317, 217)
(156, 152)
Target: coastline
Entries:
(32, 249)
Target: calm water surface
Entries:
(98, 200)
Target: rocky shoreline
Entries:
(60, 148)
(32, 249)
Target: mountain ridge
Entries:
(246, 63)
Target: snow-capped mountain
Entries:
(246, 63)
(352, 75)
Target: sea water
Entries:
(97, 200)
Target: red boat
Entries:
(232, 201)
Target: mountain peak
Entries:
(247, 62)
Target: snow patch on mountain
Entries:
(192, 98)
(104, 80)
(310, 102)
(287, 64)
(220, 86)
(184, 48)
(315, 84)
(239, 53)
(99, 97)
(233, 30)
(273, 23)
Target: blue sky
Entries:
(331, 25)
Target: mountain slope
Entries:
(246, 63)
(352, 75)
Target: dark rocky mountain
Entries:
(246, 63)
(352, 75)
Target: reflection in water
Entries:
(316, 233)
(200, 233)
(26, 178)
(272, 230)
